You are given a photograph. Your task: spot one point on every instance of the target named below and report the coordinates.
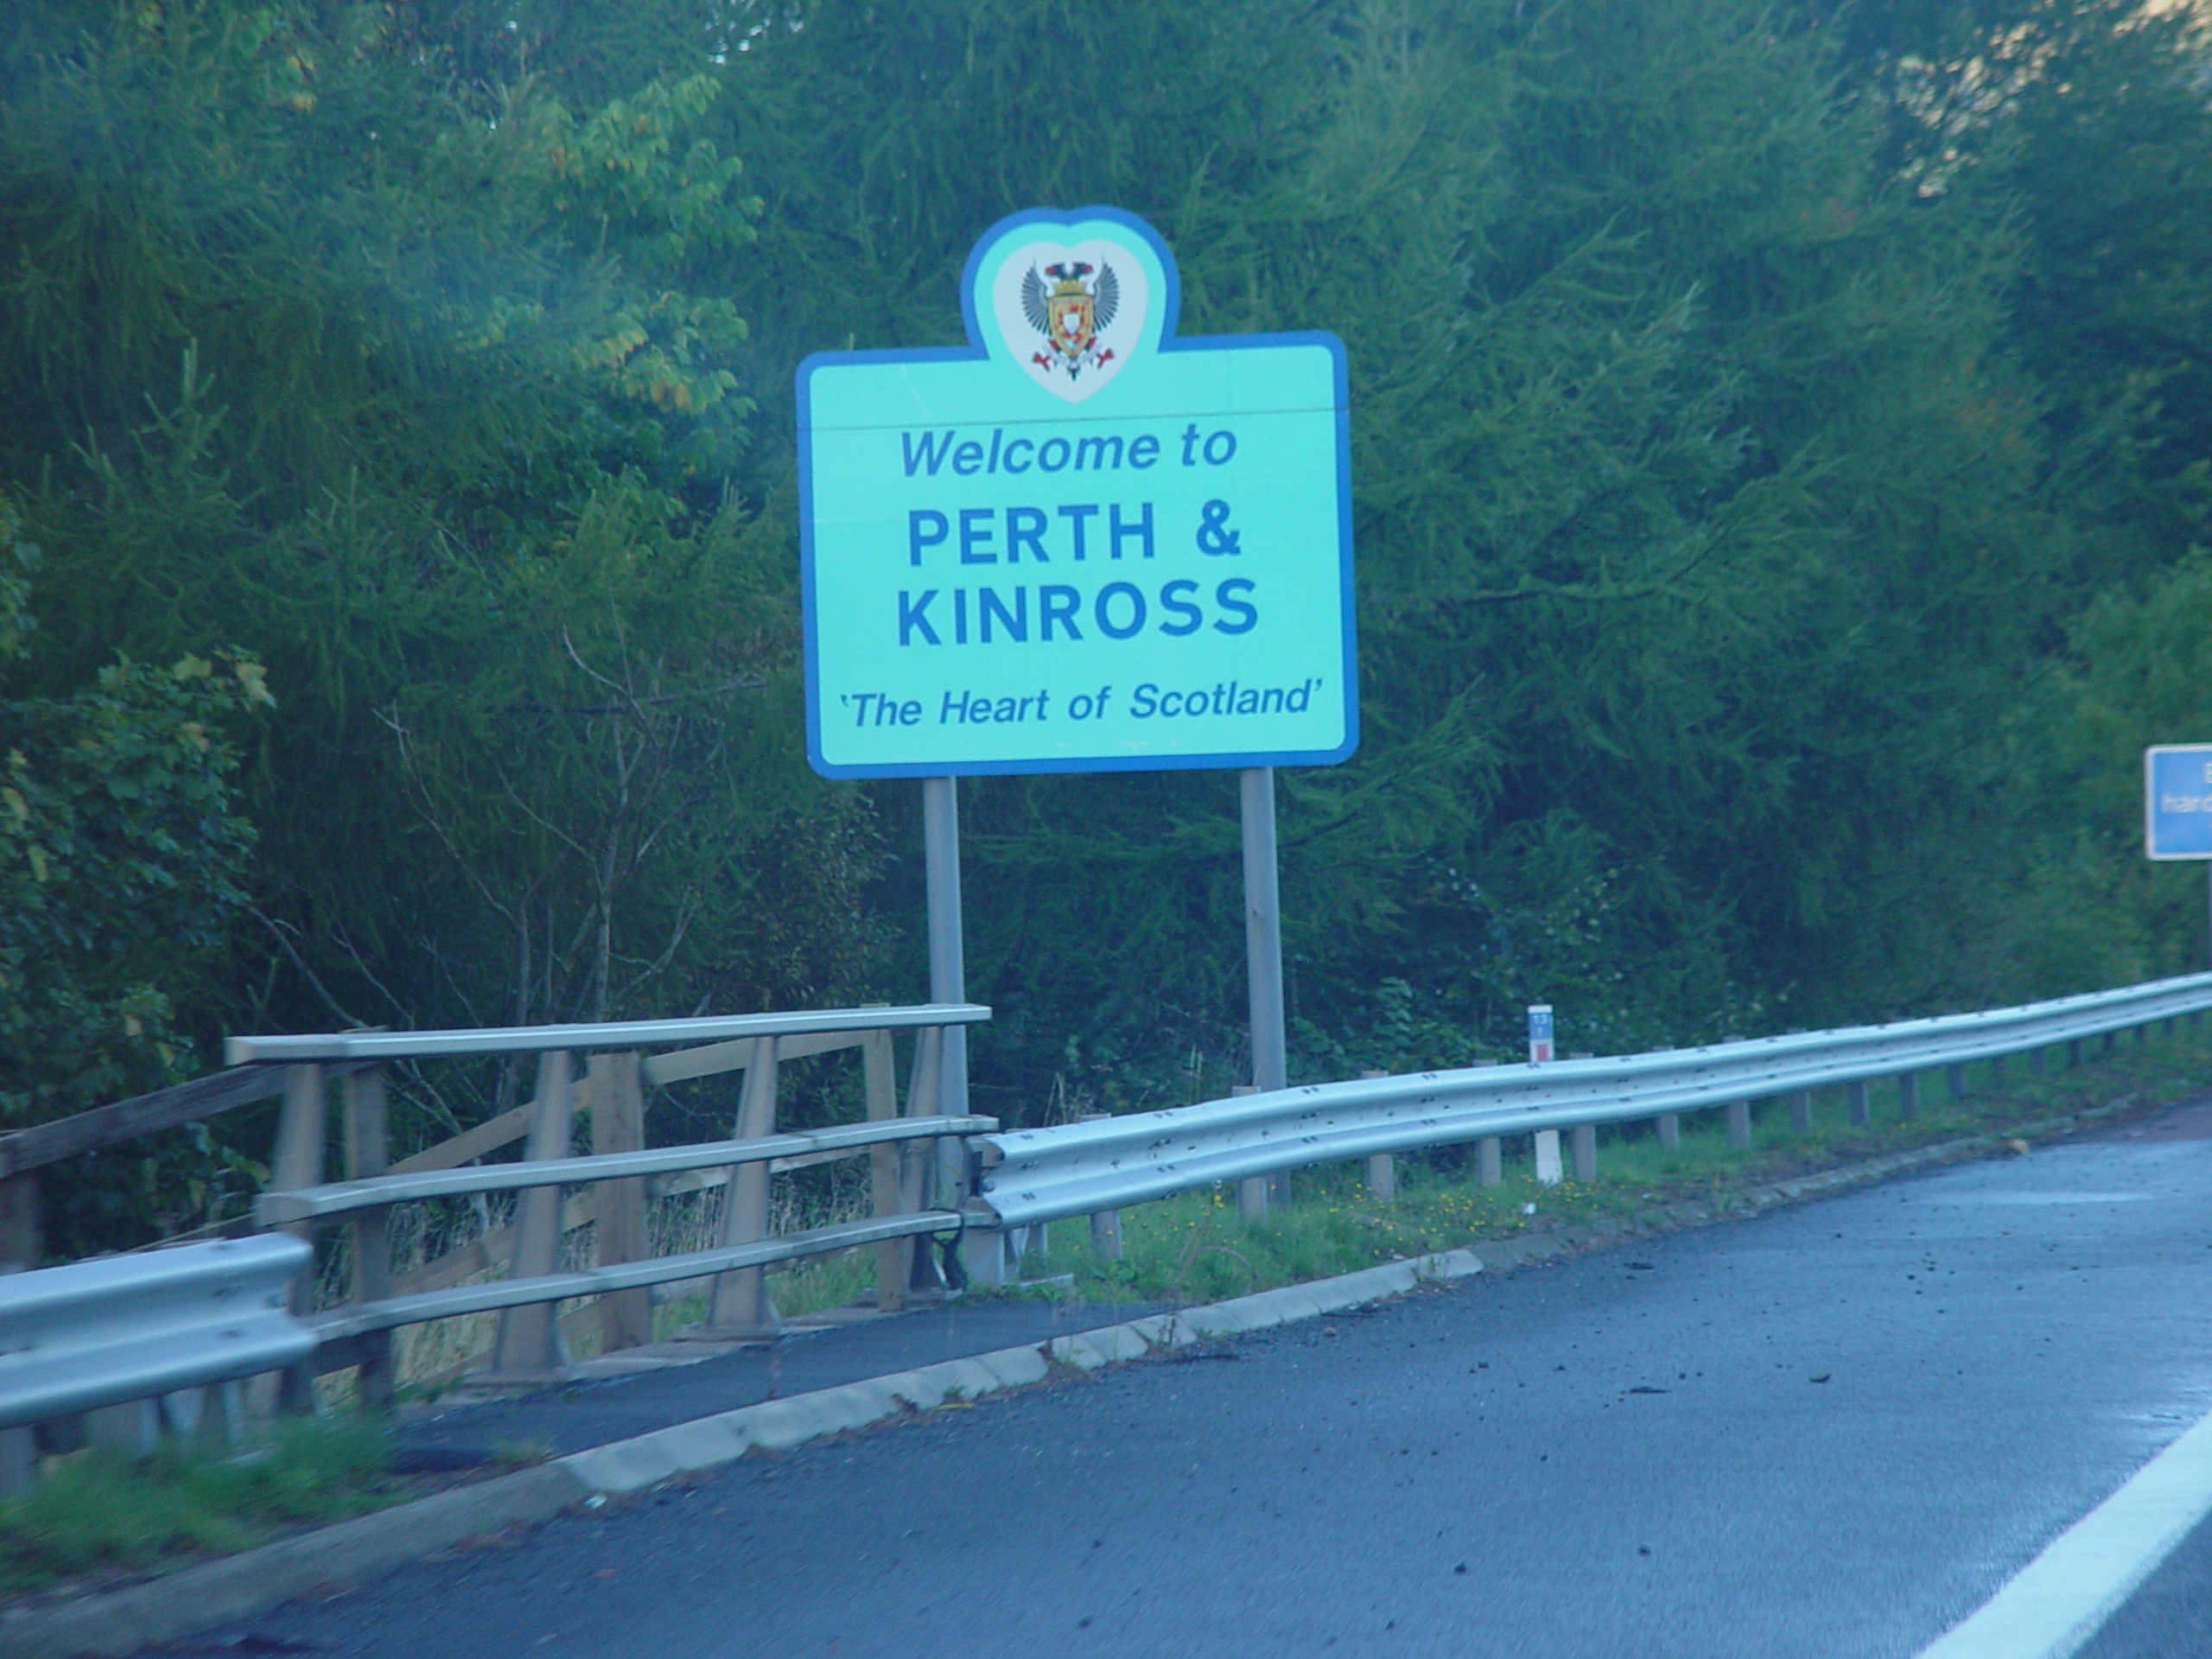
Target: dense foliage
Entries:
(1780, 439)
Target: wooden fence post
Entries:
(741, 1309)
(618, 1124)
(21, 1243)
(19, 1253)
(920, 1171)
(529, 1348)
(895, 1266)
(369, 1235)
(297, 1162)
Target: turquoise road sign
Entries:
(2178, 801)
(1077, 543)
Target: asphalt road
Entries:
(1834, 1430)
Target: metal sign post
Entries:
(948, 962)
(2177, 809)
(1264, 945)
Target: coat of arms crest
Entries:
(1071, 313)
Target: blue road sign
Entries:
(2178, 801)
(1079, 542)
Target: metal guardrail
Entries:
(1037, 1175)
(129, 1327)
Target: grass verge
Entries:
(95, 1517)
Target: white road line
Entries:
(2064, 1597)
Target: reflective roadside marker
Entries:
(1539, 1049)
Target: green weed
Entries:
(95, 1513)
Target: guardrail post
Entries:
(1740, 1123)
(1800, 1111)
(529, 1348)
(1996, 1071)
(1855, 1102)
(369, 1235)
(984, 1254)
(1381, 1175)
(741, 1309)
(1669, 1125)
(1252, 1192)
(129, 1430)
(2072, 1054)
(1583, 1144)
(616, 1084)
(2035, 1061)
(1907, 1096)
(1954, 1081)
(1489, 1160)
(2111, 1041)
(297, 1162)
(1105, 1224)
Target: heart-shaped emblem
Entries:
(1070, 315)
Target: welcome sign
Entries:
(1078, 543)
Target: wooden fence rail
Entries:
(619, 1175)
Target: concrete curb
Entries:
(120, 1622)
(775, 1425)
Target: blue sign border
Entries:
(2152, 817)
(976, 351)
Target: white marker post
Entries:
(1539, 1052)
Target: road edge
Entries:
(113, 1624)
